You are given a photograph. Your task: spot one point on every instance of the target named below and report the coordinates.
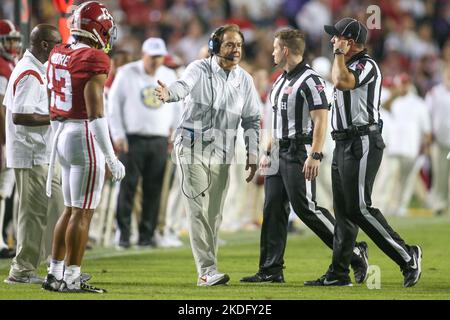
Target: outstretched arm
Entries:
(93, 95)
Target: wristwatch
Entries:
(317, 155)
(338, 51)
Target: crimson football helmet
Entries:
(92, 20)
(10, 40)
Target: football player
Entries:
(76, 75)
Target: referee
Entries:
(299, 125)
(359, 147)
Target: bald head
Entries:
(44, 32)
(43, 38)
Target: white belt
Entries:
(51, 167)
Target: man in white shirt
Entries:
(408, 142)
(28, 136)
(218, 95)
(140, 127)
(438, 100)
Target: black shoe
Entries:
(51, 283)
(6, 253)
(361, 265)
(146, 244)
(123, 245)
(85, 277)
(79, 287)
(328, 281)
(412, 273)
(263, 277)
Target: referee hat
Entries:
(349, 28)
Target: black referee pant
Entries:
(289, 185)
(146, 158)
(355, 164)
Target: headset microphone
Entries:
(229, 57)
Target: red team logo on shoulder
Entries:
(288, 90)
(360, 66)
(320, 88)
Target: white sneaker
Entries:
(167, 241)
(172, 241)
(213, 279)
(159, 240)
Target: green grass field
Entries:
(170, 274)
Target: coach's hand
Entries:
(162, 93)
(311, 168)
(252, 165)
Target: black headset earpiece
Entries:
(214, 41)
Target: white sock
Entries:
(57, 268)
(71, 273)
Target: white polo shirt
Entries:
(410, 122)
(27, 94)
(133, 107)
(218, 102)
(438, 100)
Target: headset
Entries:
(215, 41)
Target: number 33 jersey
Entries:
(69, 69)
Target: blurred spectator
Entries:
(10, 51)
(7, 10)
(408, 144)
(438, 100)
(119, 58)
(140, 127)
(260, 12)
(190, 45)
(311, 19)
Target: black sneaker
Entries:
(329, 281)
(85, 277)
(146, 244)
(123, 245)
(412, 273)
(361, 265)
(6, 253)
(263, 277)
(51, 283)
(77, 286)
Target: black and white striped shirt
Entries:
(294, 94)
(359, 106)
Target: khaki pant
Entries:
(36, 220)
(204, 211)
(397, 182)
(441, 174)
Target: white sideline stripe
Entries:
(362, 203)
(311, 204)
